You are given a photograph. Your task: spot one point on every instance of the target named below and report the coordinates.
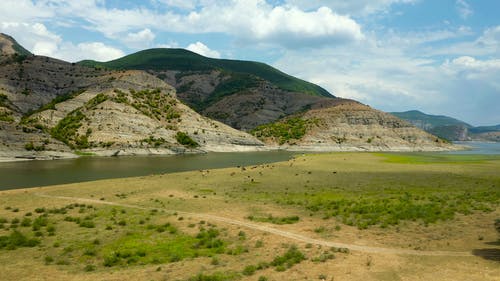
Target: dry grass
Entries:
(263, 190)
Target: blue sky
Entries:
(441, 57)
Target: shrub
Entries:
(290, 258)
(249, 270)
(185, 140)
(17, 239)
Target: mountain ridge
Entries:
(448, 127)
(52, 109)
(220, 88)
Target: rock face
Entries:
(50, 108)
(241, 94)
(54, 109)
(346, 125)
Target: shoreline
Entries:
(22, 155)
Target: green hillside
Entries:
(427, 121)
(184, 60)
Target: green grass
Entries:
(435, 158)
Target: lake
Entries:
(489, 148)
(23, 174)
(41, 173)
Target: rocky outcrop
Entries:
(346, 125)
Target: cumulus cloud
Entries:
(140, 40)
(34, 37)
(41, 41)
(465, 87)
(254, 21)
(203, 50)
(88, 50)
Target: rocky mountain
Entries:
(449, 128)
(50, 108)
(347, 125)
(241, 94)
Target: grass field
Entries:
(396, 217)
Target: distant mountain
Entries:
(427, 121)
(242, 94)
(485, 129)
(449, 128)
(442, 126)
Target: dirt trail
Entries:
(286, 234)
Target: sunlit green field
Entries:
(206, 225)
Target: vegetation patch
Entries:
(292, 257)
(283, 131)
(186, 140)
(66, 130)
(275, 220)
(16, 240)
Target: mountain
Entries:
(485, 129)
(50, 108)
(486, 133)
(242, 94)
(347, 125)
(54, 109)
(449, 128)
(442, 126)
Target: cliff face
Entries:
(50, 108)
(349, 125)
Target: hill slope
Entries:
(50, 108)
(220, 88)
(347, 125)
(442, 126)
(449, 128)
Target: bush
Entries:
(290, 258)
(17, 239)
(185, 140)
(249, 270)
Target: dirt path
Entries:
(286, 234)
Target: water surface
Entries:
(41, 173)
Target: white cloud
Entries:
(141, 39)
(34, 37)
(203, 50)
(254, 21)
(463, 8)
(400, 76)
(89, 50)
(182, 4)
(351, 7)
(41, 41)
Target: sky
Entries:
(437, 56)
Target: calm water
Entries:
(489, 148)
(40, 173)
